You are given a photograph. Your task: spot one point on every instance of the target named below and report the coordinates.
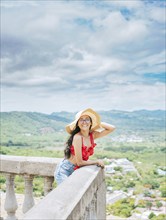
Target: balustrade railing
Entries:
(28, 167)
(81, 196)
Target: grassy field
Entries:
(145, 156)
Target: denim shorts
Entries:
(64, 169)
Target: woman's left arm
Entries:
(108, 128)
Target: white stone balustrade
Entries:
(82, 196)
(28, 167)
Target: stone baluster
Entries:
(48, 181)
(10, 201)
(28, 199)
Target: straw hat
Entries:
(91, 113)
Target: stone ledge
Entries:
(42, 166)
(71, 197)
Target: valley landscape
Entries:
(139, 138)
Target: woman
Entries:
(83, 130)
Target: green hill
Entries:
(31, 122)
(142, 120)
(32, 128)
(136, 120)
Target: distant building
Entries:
(161, 172)
(109, 169)
(126, 138)
(115, 196)
(110, 189)
(126, 165)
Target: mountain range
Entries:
(32, 122)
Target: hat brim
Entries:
(92, 114)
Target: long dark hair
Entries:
(67, 151)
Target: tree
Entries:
(151, 184)
(118, 168)
(126, 212)
(130, 184)
(122, 207)
(149, 205)
(151, 215)
(155, 184)
(141, 203)
(159, 204)
(9, 143)
(163, 191)
(147, 193)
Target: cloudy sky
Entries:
(69, 55)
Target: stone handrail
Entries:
(81, 196)
(28, 167)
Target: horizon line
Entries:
(77, 111)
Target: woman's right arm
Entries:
(77, 143)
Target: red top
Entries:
(86, 151)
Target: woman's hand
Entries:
(100, 163)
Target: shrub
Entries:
(141, 203)
(159, 204)
(147, 193)
(159, 217)
(151, 184)
(151, 215)
(163, 191)
(118, 168)
(149, 205)
(122, 208)
(130, 184)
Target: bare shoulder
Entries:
(77, 142)
(77, 137)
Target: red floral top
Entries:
(86, 151)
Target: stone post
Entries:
(48, 181)
(10, 201)
(28, 199)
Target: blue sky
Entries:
(70, 55)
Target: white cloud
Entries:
(131, 5)
(17, 3)
(115, 33)
(137, 96)
(96, 53)
(158, 14)
(152, 64)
